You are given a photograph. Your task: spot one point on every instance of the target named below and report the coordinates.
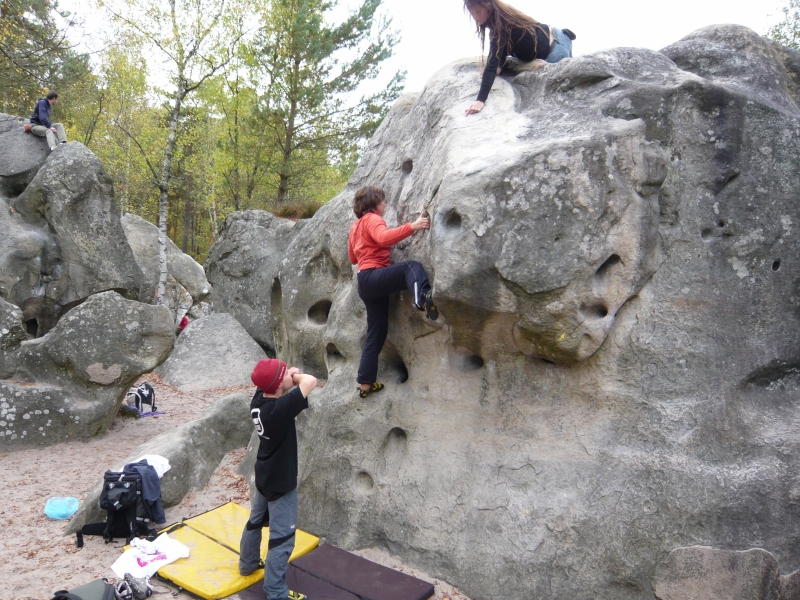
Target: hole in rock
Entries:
(557, 238)
(609, 264)
(32, 327)
(408, 166)
(549, 362)
(364, 482)
(333, 355)
(463, 361)
(776, 264)
(452, 221)
(391, 366)
(319, 312)
(706, 234)
(721, 223)
(394, 448)
(595, 311)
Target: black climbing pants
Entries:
(374, 287)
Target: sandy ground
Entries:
(35, 558)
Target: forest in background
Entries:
(197, 108)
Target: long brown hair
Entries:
(502, 19)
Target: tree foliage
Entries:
(190, 123)
(308, 72)
(787, 32)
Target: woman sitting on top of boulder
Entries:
(368, 246)
(513, 33)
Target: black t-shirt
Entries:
(273, 418)
(523, 46)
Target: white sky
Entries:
(437, 32)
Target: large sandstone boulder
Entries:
(186, 281)
(212, 352)
(614, 253)
(70, 383)
(194, 451)
(243, 262)
(21, 155)
(62, 240)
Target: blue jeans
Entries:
(281, 516)
(561, 48)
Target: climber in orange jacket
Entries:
(368, 246)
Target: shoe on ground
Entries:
(53, 147)
(375, 387)
(296, 596)
(64, 142)
(140, 586)
(428, 306)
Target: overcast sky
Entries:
(437, 32)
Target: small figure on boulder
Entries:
(368, 246)
(274, 501)
(513, 33)
(41, 125)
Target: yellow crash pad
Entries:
(212, 569)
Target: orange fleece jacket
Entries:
(370, 240)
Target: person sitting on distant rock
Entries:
(368, 246)
(182, 325)
(274, 500)
(513, 33)
(41, 125)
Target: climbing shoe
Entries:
(375, 387)
(295, 596)
(428, 306)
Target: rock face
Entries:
(21, 155)
(61, 240)
(614, 252)
(244, 262)
(194, 451)
(701, 573)
(70, 383)
(186, 281)
(212, 352)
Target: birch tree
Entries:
(194, 40)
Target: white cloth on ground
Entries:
(159, 463)
(144, 558)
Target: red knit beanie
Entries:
(268, 374)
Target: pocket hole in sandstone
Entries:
(466, 362)
(364, 482)
(557, 238)
(452, 221)
(776, 264)
(319, 312)
(721, 223)
(609, 264)
(394, 448)
(32, 327)
(391, 366)
(408, 166)
(706, 234)
(596, 311)
(333, 355)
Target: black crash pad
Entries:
(361, 577)
(300, 581)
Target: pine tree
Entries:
(310, 71)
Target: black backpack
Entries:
(143, 398)
(126, 515)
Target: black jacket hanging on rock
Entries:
(151, 489)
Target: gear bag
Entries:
(126, 515)
(99, 589)
(143, 398)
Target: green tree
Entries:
(310, 72)
(35, 54)
(195, 38)
(787, 32)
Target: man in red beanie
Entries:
(274, 502)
